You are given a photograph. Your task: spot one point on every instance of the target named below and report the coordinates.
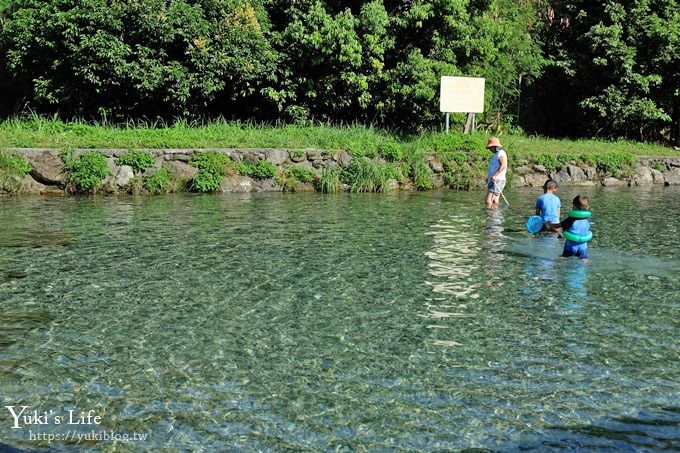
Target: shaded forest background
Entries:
(556, 68)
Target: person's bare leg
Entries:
(489, 200)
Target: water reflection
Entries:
(463, 259)
(542, 265)
(575, 274)
(454, 258)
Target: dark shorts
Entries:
(495, 187)
(573, 249)
(554, 227)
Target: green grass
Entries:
(36, 132)
(364, 175)
(39, 132)
(329, 182)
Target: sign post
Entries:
(461, 95)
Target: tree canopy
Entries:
(556, 67)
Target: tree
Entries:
(613, 69)
(374, 61)
(133, 58)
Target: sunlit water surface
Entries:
(415, 321)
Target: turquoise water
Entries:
(410, 321)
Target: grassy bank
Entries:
(460, 160)
(51, 133)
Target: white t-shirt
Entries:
(495, 163)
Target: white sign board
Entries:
(462, 94)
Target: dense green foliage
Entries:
(150, 57)
(302, 174)
(13, 167)
(137, 159)
(614, 70)
(158, 182)
(85, 172)
(371, 61)
(13, 163)
(292, 176)
(559, 67)
(261, 170)
(212, 166)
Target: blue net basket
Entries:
(534, 224)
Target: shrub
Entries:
(205, 181)
(329, 182)
(13, 167)
(262, 170)
(212, 166)
(302, 174)
(137, 159)
(210, 161)
(158, 182)
(588, 158)
(391, 151)
(292, 176)
(568, 158)
(245, 168)
(614, 161)
(13, 163)
(86, 172)
(549, 161)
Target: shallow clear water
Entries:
(416, 321)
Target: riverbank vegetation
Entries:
(40, 132)
(378, 156)
(13, 167)
(556, 68)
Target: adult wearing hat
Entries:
(498, 167)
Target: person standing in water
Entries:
(498, 167)
(577, 229)
(548, 207)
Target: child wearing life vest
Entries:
(576, 229)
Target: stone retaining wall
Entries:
(647, 171)
(47, 174)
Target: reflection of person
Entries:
(548, 206)
(579, 227)
(493, 245)
(497, 168)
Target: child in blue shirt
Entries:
(548, 207)
(579, 227)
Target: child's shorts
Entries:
(575, 249)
